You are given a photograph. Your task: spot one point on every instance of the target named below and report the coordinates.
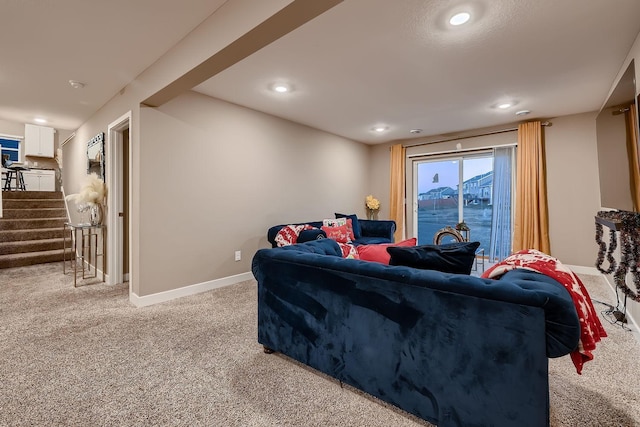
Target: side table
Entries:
(83, 241)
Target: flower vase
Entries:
(371, 214)
(96, 214)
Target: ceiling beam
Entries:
(281, 23)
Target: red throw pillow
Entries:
(339, 222)
(339, 234)
(378, 253)
(350, 230)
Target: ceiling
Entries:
(363, 64)
(104, 44)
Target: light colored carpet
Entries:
(86, 357)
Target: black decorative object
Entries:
(628, 225)
(613, 244)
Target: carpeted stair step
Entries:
(30, 258)
(26, 224)
(32, 228)
(12, 195)
(39, 213)
(32, 203)
(32, 234)
(23, 246)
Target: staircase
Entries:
(31, 228)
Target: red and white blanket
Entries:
(288, 235)
(591, 330)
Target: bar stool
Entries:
(15, 173)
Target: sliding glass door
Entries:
(477, 186)
(436, 200)
(449, 190)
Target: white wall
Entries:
(573, 189)
(229, 22)
(9, 127)
(215, 176)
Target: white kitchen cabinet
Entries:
(39, 180)
(38, 141)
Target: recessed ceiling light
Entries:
(281, 87)
(504, 106)
(460, 18)
(40, 120)
(522, 112)
(76, 84)
(380, 129)
(415, 131)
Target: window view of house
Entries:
(456, 189)
(10, 149)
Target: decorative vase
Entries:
(371, 214)
(96, 214)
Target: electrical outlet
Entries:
(238, 255)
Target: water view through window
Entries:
(441, 202)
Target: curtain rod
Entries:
(463, 151)
(469, 136)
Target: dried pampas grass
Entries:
(92, 192)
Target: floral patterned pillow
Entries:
(340, 234)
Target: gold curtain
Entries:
(531, 225)
(631, 120)
(397, 185)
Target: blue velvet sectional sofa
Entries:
(367, 232)
(452, 349)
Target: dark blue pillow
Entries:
(309, 235)
(449, 258)
(357, 231)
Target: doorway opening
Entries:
(119, 201)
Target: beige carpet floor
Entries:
(86, 357)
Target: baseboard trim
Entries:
(98, 272)
(580, 269)
(197, 288)
(612, 286)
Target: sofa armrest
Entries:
(378, 228)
